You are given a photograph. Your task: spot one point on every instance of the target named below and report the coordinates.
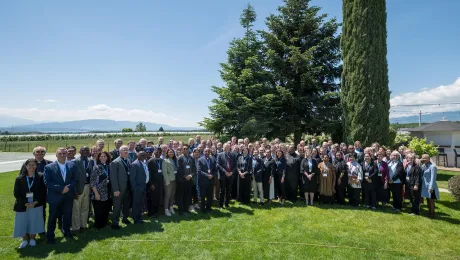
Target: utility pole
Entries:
(420, 118)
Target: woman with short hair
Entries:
(99, 182)
(29, 191)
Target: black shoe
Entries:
(116, 227)
(261, 204)
(51, 241)
(227, 206)
(209, 210)
(69, 237)
(127, 222)
(139, 222)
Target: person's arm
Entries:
(165, 170)
(132, 176)
(201, 168)
(332, 169)
(219, 167)
(114, 177)
(51, 183)
(302, 168)
(360, 172)
(20, 197)
(273, 168)
(417, 176)
(434, 173)
(73, 180)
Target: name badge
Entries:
(188, 167)
(175, 172)
(30, 197)
(108, 180)
(160, 171)
(128, 173)
(324, 174)
(209, 171)
(87, 175)
(407, 178)
(380, 175)
(367, 174)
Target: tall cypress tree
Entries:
(365, 94)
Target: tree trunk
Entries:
(297, 136)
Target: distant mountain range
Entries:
(86, 126)
(428, 118)
(8, 121)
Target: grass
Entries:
(243, 232)
(52, 145)
(444, 176)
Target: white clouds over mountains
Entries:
(441, 97)
(95, 112)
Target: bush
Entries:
(454, 187)
(420, 147)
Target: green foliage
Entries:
(391, 136)
(365, 94)
(454, 187)
(280, 81)
(141, 127)
(402, 139)
(408, 125)
(127, 130)
(420, 147)
(161, 129)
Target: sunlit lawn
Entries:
(242, 232)
(444, 176)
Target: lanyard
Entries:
(30, 184)
(125, 163)
(159, 164)
(187, 160)
(106, 171)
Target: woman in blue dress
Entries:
(430, 189)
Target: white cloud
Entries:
(440, 97)
(47, 100)
(95, 112)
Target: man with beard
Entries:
(342, 178)
(291, 180)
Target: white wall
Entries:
(451, 139)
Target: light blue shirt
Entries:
(63, 170)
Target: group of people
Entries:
(143, 178)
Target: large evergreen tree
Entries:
(245, 102)
(365, 94)
(303, 55)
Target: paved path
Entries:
(13, 161)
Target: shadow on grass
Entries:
(64, 246)
(445, 176)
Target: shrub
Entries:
(420, 147)
(454, 187)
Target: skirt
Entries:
(29, 222)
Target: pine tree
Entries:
(303, 55)
(243, 106)
(365, 94)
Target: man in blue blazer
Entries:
(226, 166)
(206, 174)
(138, 177)
(60, 180)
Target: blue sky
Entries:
(156, 60)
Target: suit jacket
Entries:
(182, 170)
(21, 189)
(222, 165)
(82, 174)
(256, 169)
(399, 173)
(269, 168)
(155, 176)
(341, 172)
(204, 170)
(415, 176)
(55, 183)
(118, 175)
(137, 176)
(114, 154)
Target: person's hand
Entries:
(116, 193)
(65, 190)
(282, 180)
(188, 177)
(390, 181)
(385, 186)
(241, 175)
(305, 173)
(430, 190)
(76, 196)
(270, 180)
(152, 188)
(415, 187)
(27, 205)
(97, 196)
(209, 176)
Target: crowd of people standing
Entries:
(146, 179)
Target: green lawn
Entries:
(242, 232)
(444, 176)
(52, 145)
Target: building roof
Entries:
(441, 126)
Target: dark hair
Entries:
(24, 169)
(98, 158)
(174, 154)
(71, 148)
(276, 154)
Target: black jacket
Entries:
(341, 167)
(257, 170)
(415, 176)
(182, 170)
(269, 169)
(399, 172)
(21, 189)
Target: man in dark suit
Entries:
(60, 179)
(226, 167)
(121, 191)
(116, 152)
(186, 168)
(81, 202)
(139, 177)
(206, 172)
(269, 172)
